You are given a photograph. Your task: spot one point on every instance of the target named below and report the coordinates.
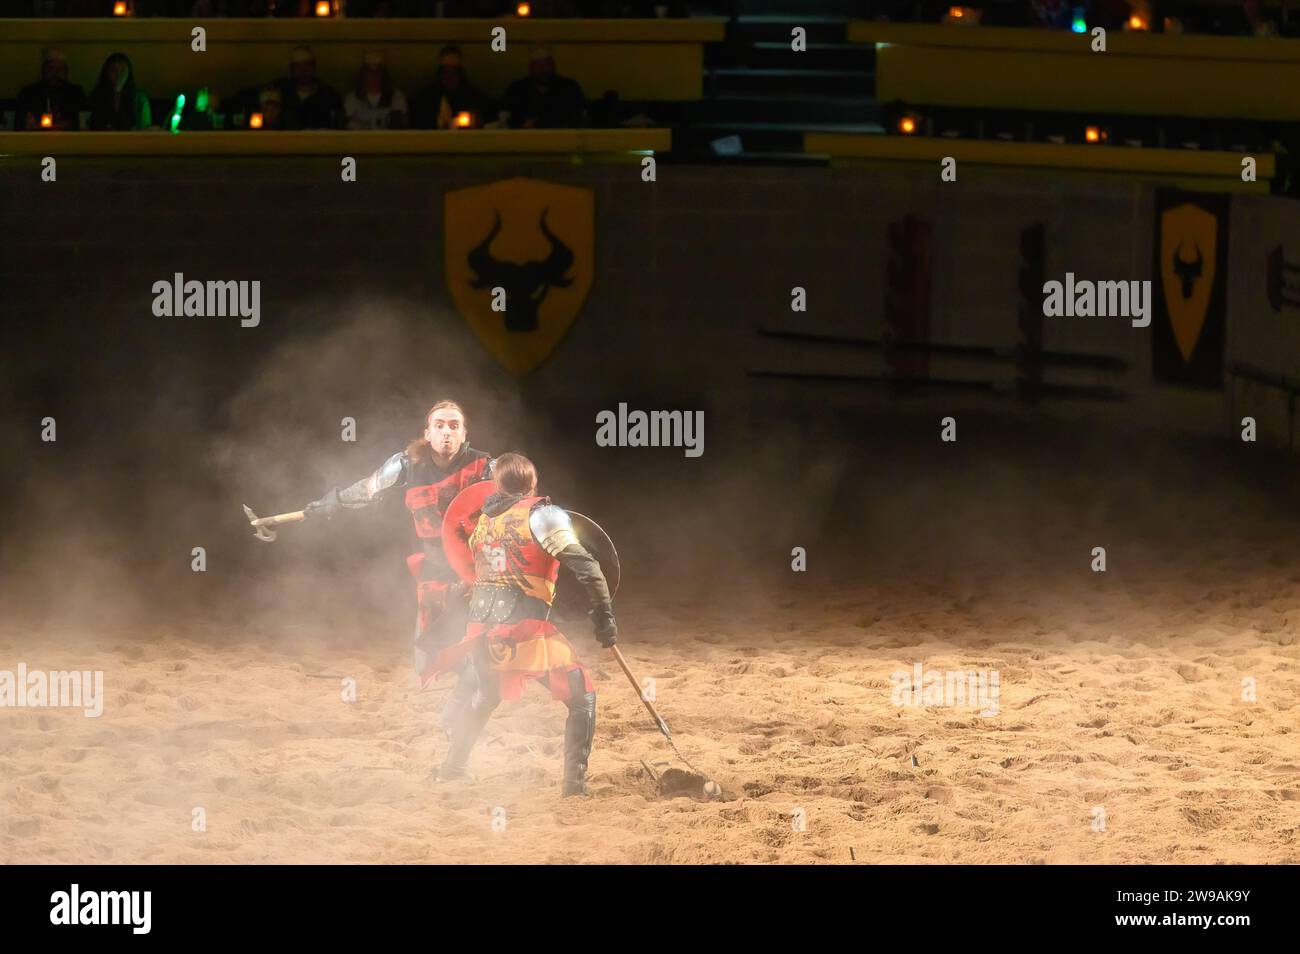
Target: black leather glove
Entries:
(325, 508)
(602, 620)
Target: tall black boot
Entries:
(471, 719)
(460, 699)
(579, 730)
(464, 733)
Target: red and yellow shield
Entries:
(520, 256)
(1188, 253)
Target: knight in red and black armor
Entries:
(518, 546)
(431, 472)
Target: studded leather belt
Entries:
(505, 604)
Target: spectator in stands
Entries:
(51, 96)
(200, 111)
(642, 9)
(451, 94)
(308, 103)
(115, 103)
(1256, 22)
(1052, 14)
(374, 103)
(544, 99)
(1004, 13)
(1113, 14)
(270, 107)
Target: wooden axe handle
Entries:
(659, 721)
(292, 517)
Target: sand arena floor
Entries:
(1138, 711)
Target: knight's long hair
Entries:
(515, 474)
(103, 113)
(420, 450)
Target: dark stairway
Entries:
(758, 89)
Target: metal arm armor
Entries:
(552, 528)
(371, 489)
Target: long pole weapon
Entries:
(710, 787)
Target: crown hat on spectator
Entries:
(373, 58)
(51, 55)
(302, 54)
(450, 56)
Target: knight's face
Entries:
(446, 431)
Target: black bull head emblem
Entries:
(1186, 271)
(525, 284)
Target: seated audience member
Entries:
(384, 9)
(1004, 13)
(373, 103)
(544, 99)
(451, 94)
(1051, 14)
(1257, 23)
(641, 9)
(307, 102)
(270, 107)
(115, 103)
(52, 96)
(1108, 14)
(200, 111)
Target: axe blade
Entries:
(261, 532)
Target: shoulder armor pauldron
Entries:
(552, 528)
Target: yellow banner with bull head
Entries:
(520, 258)
(1190, 258)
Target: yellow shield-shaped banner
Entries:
(1187, 255)
(526, 247)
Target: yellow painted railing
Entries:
(560, 142)
(1215, 171)
(1139, 74)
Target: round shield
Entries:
(459, 522)
(570, 598)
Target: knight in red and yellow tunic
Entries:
(519, 544)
